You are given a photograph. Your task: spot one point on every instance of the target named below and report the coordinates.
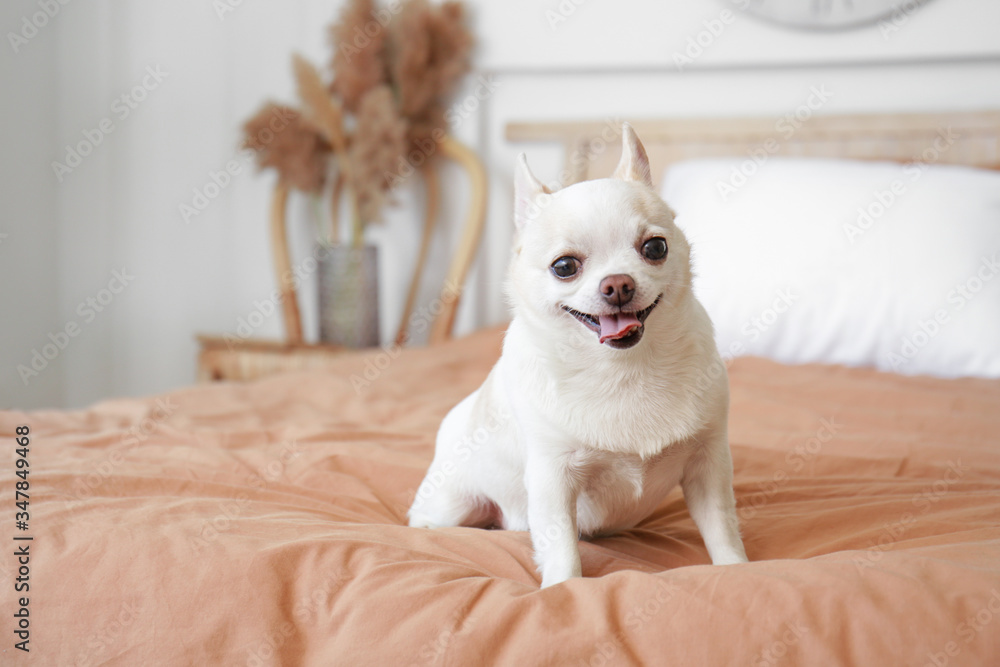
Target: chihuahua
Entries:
(609, 390)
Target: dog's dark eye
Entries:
(565, 267)
(655, 249)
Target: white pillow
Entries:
(836, 261)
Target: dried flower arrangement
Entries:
(393, 72)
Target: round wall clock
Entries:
(826, 14)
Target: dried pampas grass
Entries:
(358, 64)
(379, 142)
(429, 54)
(394, 70)
(283, 139)
(328, 114)
(324, 111)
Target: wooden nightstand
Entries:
(222, 359)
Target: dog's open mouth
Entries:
(620, 330)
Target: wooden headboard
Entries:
(593, 148)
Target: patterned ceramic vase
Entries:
(348, 296)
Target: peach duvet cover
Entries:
(264, 524)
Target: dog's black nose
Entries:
(618, 289)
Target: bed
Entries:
(263, 522)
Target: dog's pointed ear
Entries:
(527, 190)
(634, 165)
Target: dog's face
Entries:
(600, 257)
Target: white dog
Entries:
(609, 390)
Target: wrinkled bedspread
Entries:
(264, 524)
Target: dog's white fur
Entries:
(568, 436)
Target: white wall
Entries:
(28, 226)
(119, 208)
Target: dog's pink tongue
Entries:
(617, 326)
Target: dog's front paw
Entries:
(731, 558)
(556, 579)
(555, 572)
(422, 521)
